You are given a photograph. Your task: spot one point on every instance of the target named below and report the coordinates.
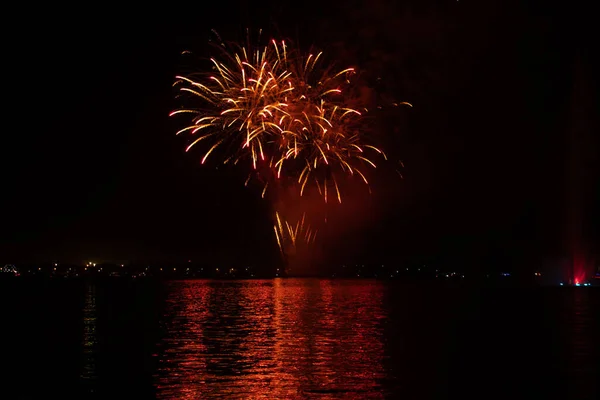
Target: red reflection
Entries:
(280, 339)
(183, 354)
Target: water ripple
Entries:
(289, 339)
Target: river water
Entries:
(296, 339)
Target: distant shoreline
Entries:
(400, 281)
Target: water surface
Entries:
(297, 339)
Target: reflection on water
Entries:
(89, 334)
(290, 339)
(272, 339)
(583, 360)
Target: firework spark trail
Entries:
(290, 235)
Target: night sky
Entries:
(94, 169)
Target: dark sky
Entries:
(94, 170)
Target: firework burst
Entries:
(287, 114)
(296, 121)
